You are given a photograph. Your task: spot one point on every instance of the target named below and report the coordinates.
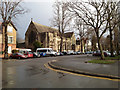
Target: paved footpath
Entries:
(80, 65)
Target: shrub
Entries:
(37, 44)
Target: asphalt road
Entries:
(31, 73)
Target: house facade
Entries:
(48, 37)
(11, 32)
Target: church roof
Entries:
(42, 28)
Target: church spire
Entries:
(32, 19)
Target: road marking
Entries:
(79, 70)
(46, 65)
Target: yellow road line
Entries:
(46, 65)
(80, 71)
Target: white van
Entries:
(46, 52)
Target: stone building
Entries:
(49, 37)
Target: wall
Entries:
(27, 35)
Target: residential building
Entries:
(48, 37)
(11, 32)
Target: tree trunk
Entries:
(100, 48)
(117, 48)
(61, 44)
(81, 46)
(6, 43)
(111, 43)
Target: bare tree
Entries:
(9, 9)
(113, 20)
(61, 19)
(94, 41)
(82, 30)
(93, 14)
(116, 40)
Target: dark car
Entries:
(17, 56)
(36, 55)
(64, 53)
(98, 53)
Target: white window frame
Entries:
(8, 39)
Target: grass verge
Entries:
(102, 61)
(113, 58)
(108, 60)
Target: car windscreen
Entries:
(30, 52)
(14, 54)
(23, 52)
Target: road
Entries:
(31, 73)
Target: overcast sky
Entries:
(40, 11)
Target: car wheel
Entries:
(39, 55)
(50, 55)
(19, 57)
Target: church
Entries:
(48, 37)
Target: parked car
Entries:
(28, 54)
(64, 53)
(59, 54)
(98, 53)
(46, 52)
(17, 55)
(107, 53)
(89, 52)
(71, 52)
(75, 53)
(78, 52)
(36, 55)
(114, 53)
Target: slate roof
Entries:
(41, 28)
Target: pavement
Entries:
(80, 67)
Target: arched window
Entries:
(32, 37)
